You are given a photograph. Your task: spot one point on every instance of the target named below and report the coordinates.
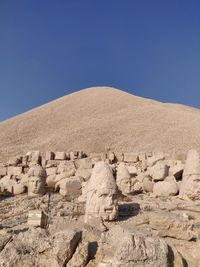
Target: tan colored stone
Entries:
(49, 155)
(60, 156)
(131, 157)
(124, 246)
(3, 171)
(70, 187)
(101, 194)
(155, 158)
(171, 225)
(14, 170)
(85, 163)
(159, 171)
(165, 188)
(36, 181)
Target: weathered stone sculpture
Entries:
(101, 194)
(123, 179)
(190, 186)
(36, 181)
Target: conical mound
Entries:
(99, 118)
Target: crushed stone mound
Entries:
(99, 118)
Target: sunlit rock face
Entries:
(101, 194)
(36, 181)
(190, 186)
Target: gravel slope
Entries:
(98, 118)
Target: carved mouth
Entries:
(108, 209)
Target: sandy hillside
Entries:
(98, 118)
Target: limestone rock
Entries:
(119, 156)
(165, 188)
(60, 156)
(85, 173)
(70, 187)
(171, 225)
(159, 171)
(127, 247)
(131, 157)
(34, 157)
(154, 159)
(49, 155)
(85, 163)
(36, 248)
(14, 170)
(3, 171)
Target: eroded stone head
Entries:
(101, 194)
(124, 181)
(36, 181)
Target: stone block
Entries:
(131, 157)
(37, 218)
(119, 156)
(60, 156)
(85, 163)
(49, 155)
(14, 170)
(3, 171)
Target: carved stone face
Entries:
(124, 181)
(125, 185)
(36, 181)
(101, 194)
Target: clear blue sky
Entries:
(49, 48)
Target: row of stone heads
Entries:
(158, 177)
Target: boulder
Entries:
(85, 163)
(84, 173)
(155, 158)
(172, 225)
(36, 247)
(70, 187)
(165, 188)
(159, 171)
(123, 246)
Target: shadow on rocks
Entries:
(127, 210)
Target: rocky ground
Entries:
(158, 222)
(67, 241)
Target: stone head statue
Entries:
(36, 181)
(101, 189)
(124, 181)
(190, 185)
